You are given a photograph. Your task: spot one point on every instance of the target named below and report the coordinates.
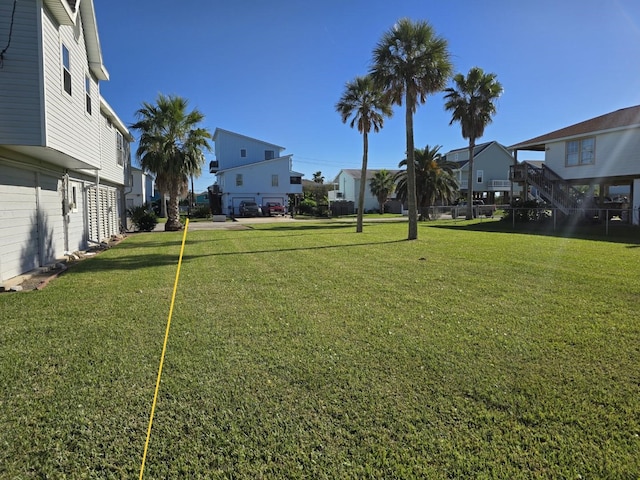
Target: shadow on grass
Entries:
(301, 249)
(617, 233)
(109, 263)
(330, 224)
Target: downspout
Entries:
(513, 172)
(98, 219)
(65, 209)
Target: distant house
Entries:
(141, 190)
(601, 152)
(248, 169)
(64, 153)
(491, 163)
(347, 189)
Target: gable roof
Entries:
(221, 130)
(620, 119)
(476, 150)
(66, 13)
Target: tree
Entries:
(382, 185)
(472, 103)
(367, 107)
(434, 178)
(409, 63)
(171, 146)
(318, 177)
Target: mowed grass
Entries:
(310, 351)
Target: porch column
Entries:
(635, 202)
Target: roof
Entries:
(106, 109)
(228, 132)
(620, 119)
(476, 150)
(66, 13)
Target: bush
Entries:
(526, 211)
(201, 211)
(143, 218)
(307, 206)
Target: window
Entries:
(274, 180)
(66, 69)
(295, 180)
(269, 155)
(581, 152)
(74, 198)
(243, 152)
(479, 176)
(238, 180)
(120, 148)
(87, 91)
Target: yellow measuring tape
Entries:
(164, 349)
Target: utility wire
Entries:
(4, 50)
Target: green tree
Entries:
(382, 184)
(434, 179)
(409, 63)
(171, 146)
(472, 102)
(318, 177)
(367, 107)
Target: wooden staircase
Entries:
(553, 188)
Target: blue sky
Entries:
(274, 70)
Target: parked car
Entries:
(479, 209)
(250, 209)
(273, 208)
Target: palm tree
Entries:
(434, 178)
(367, 107)
(382, 185)
(318, 177)
(472, 103)
(171, 146)
(409, 63)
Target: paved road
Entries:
(242, 223)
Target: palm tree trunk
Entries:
(472, 144)
(363, 180)
(173, 213)
(411, 169)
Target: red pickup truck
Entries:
(273, 208)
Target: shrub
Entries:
(143, 218)
(201, 211)
(307, 206)
(526, 211)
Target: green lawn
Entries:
(310, 351)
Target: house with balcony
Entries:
(248, 169)
(491, 163)
(64, 153)
(601, 154)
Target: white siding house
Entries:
(601, 152)
(141, 190)
(64, 153)
(491, 163)
(347, 188)
(250, 169)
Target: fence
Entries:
(596, 215)
(608, 217)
